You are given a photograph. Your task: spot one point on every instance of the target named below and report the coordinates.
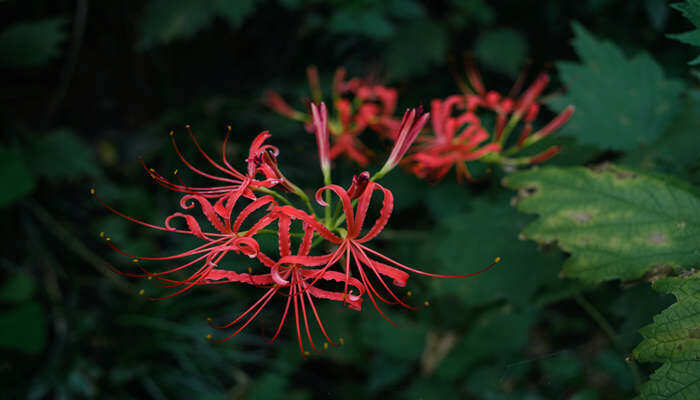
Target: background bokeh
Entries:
(88, 87)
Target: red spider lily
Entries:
(233, 184)
(459, 137)
(351, 246)
(358, 105)
(298, 282)
(455, 141)
(511, 109)
(204, 259)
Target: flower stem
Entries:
(274, 194)
(509, 127)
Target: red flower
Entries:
(455, 140)
(358, 103)
(511, 109)
(351, 246)
(233, 184)
(459, 137)
(204, 259)
(291, 280)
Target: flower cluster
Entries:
(475, 125)
(359, 105)
(458, 134)
(332, 259)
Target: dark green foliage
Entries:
(71, 328)
(616, 223)
(503, 50)
(691, 10)
(31, 44)
(674, 340)
(14, 174)
(620, 101)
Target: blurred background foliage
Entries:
(88, 87)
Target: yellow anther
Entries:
(102, 234)
(250, 270)
(208, 336)
(208, 319)
(427, 303)
(325, 346)
(149, 278)
(92, 191)
(497, 260)
(152, 170)
(141, 292)
(135, 260)
(306, 353)
(228, 127)
(171, 133)
(108, 239)
(342, 341)
(175, 172)
(409, 293)
(187, 126)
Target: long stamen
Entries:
(495, 261)
(369, 293)
(284, 316)
(231, 172)
(195, 169)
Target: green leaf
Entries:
(620, 102)
(415, 47)
(691, 10)
(674, 340)
(165, 21)
(371, 23)
(404, 343)
(23, 328)
(615, 223)
(17, 288)
(459, 247)
(32, 44)
(235, 11)
(679, 141)
(502, 50)
(495, 335)
(17, 180)
(63, 155)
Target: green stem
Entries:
(270, 232)
(274, 194)
(512, 122)
(609, 331)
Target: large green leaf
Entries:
(620, 102)
(31, 44)
(616, 223)
(690, 10)
(674, 340)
